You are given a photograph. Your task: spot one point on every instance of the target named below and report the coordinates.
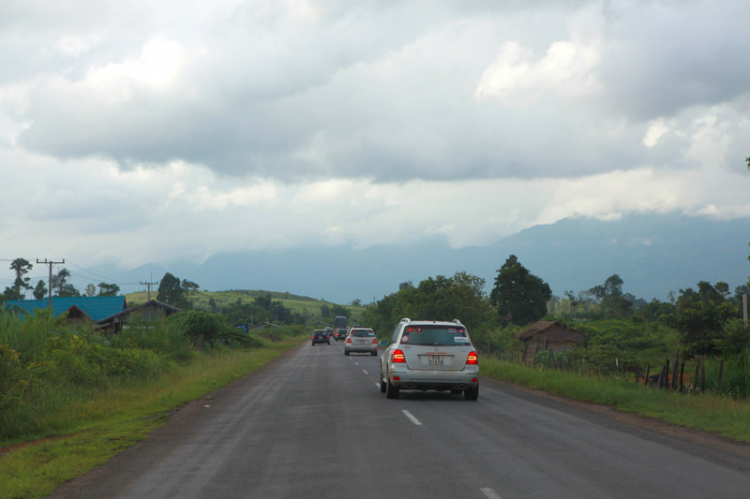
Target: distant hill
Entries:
(653, 254)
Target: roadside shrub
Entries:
(501, 342)
(10, 369)
(282, 332)
(735, 376)
(28, 335)
(162, 337)
(207, 330)
(82, 361)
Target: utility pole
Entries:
(50, 263)
(149, 284)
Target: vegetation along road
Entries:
(314, 424)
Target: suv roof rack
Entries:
(405, 319)
(457, 322)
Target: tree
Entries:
(108, 289)
(700, 317)
(573, 301)
(611, 298)
(40, 291)
(60, 286)
(325, 310)
(171, 292)
(337, 310)
(519, 296)
(90, 290)
(21, 267)
(190, 289)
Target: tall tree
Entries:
(700, 317)
(611, 298)
(190, 289)
(519, 296)
(90, 290)
(60, 285)
(171, 292)
(40, 291)
(21, 267)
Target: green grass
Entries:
(94, 426)
(297, 304)
(721, 415)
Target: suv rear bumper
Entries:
(412, 379)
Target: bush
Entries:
(164, 338)
(28, 335)
(87, 361)
(207, 330)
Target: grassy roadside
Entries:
(116, 419)
(720, 415)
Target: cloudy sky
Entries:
(142, 131)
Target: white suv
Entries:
(430, 355)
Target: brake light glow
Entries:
(348, 340)
(397, 357)
(374, 341)
(472, 359)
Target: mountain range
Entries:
(653, 254)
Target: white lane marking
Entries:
(356, 363)
(491, 494)
(365, 371)
(412, 418)
(377, 385)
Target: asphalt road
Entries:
(314, 424)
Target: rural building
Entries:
(79, 308)
(551, 336)
(151, 311)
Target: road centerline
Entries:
(411, 418)
(491, 494)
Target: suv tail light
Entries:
(472, 359)
(397, 357)
(374, 341)
(348, 340)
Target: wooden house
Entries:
(151, 311)
(548, 336)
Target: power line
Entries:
(100, 276)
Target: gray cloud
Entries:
(367, 90)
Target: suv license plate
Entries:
(436, 360)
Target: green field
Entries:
(304, 305)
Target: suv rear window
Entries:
(362, 333)
(434, 335)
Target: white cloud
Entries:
(656, 130)
(567, 69)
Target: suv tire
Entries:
(472, 393)
(391, 392)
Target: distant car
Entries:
(430, 355)
(362, 340)
(339, 334)
(320, 336)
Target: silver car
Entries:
(430, 355)
(361, 339)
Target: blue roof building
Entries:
(93, 308)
